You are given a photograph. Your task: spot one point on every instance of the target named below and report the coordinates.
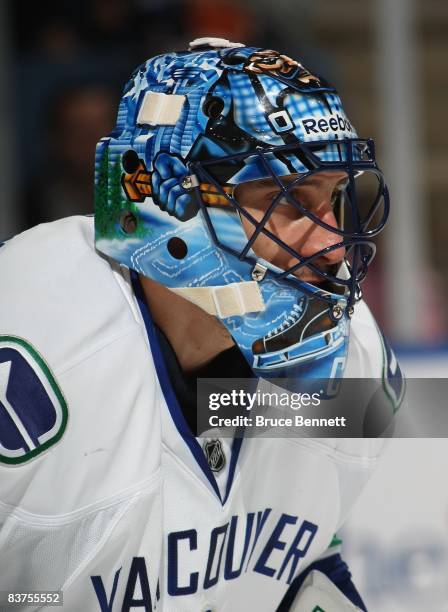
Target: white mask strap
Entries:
(236, 299)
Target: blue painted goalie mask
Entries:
(195, 127)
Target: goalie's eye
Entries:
(337, 192)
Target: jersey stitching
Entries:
(340, 456)
(99, 347)
(42, 520)
(108, 532)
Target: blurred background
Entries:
(63, 65)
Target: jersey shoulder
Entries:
(370, 356)
(59, 294)
(75, 372)
(370, 353)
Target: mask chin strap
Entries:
(234, 299)
(222, 301)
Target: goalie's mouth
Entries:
(329, 286)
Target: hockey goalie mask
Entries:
(234, 178)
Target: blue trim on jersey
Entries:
(336, 570)
(172, 401)
(236, 447)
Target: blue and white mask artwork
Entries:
(193, 126)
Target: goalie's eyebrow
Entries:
(270, 182)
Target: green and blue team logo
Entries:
(33, 410)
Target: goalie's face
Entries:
(319, 194)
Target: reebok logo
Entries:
(335, 123)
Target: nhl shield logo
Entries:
(33, 410)
(215, 455)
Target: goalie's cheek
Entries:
(264, 246)
(302, 236)
(316, 238)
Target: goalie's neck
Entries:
(195, 336)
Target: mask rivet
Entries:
(259, 272)
(187, 183)
(337, 312)
(190, 181)
(350, 311)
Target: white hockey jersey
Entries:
(104, 492)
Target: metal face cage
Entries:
(360, 216)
